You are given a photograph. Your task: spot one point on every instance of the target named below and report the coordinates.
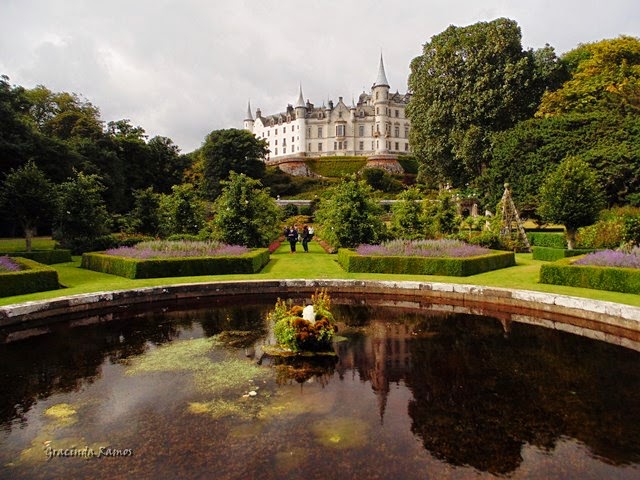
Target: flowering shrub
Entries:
(423, 248)
(612, 258)
(8, 265)
(296, 333)
(168, 249)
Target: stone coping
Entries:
(583, 316)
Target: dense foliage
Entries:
(468, 83)
(571, 196)
(244, 213)
(349, 215)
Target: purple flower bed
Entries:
(166, 249)
(8, 265)
(423, 248)
(612, 258)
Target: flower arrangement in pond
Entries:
(423, 248)
(182, 248)
(8, 265)
(309, 328)
(612, 258)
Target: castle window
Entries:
(319, 132)
(397, 113)
(361, 131)
(372, 145)
(276, 131)
(276, 151)
(309, 133)
(309, 147)
(320, 115)
(276, 141)
(292, 140)
(397, 131)
(319, 146)
(335, 145)
(397, 146)
(284, 142)
(377, 110)
(268, 133)
(406, 132)
(361, 145)
(284, 129)
(406, 147)
(345, 145)
(340, 130)
(284, 150)
(376, 95)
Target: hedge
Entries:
(251, 262)
(546, 239)
(549, 254)
(563, 272)
(48, 257)
(34, 277)
(454, 267)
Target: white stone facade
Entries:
(376, 125)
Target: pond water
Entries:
(410, 394)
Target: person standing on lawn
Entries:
(305, 238)
(292, 237)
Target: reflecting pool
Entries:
(410, 394)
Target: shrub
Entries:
(47, 257)
(543, 239)
(566, 272)
(251, 262)
(289, 210)
(548, 254)
(457, 267)
(605, 233)
(32, 277)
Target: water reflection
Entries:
(479, 395)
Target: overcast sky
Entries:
(183, 68)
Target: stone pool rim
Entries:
(603, 320)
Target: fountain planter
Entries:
(301, 330)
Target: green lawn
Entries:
(314, 265)
(18, 244)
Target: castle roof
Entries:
(249, 115)
(382, 76)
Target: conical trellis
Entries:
(511, 220)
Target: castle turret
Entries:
(248, 119)
(380, 92)
(300, 125)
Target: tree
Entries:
(605, 76)
(230, 150)
(571, 196)
(468, 83)
(144, 218)
(245, 214)
(440, 216)
(82, 216)
(349, 216)
(407, 219)
(181, 212)
(27, 197)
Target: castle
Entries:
(376, 127)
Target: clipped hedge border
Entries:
(453, 267)
(547, 239)
(48, 257)
(549, 254)
(614, 279)
(251, 262)
(35, 277)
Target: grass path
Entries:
(316, 265)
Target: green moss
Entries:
(187, 355)
(341, 433)
(222, 408)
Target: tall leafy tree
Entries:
(605, 76)
(181, 212)
(407, 220)
(230, 150)
(82, 216)
(27, 197)
(571, 196)
(468, 83)
(245, 213)
(348, 215)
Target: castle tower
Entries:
(300, 123)
(380, 92)
(248, 119)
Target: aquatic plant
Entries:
(341, 433)
(8, 265)
(182, 248)
(423, 248)
(612, 258)
(295, 332)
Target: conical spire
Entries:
(382, 77)
(300, 99)
(249, 116)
